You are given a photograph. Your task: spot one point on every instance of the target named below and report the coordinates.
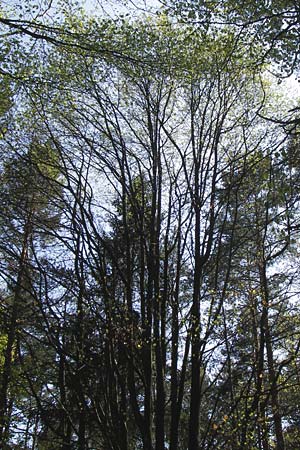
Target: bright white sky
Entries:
(292, 86)
(114, 8)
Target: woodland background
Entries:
(149, 223)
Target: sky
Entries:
(114, 8)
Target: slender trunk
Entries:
(174, 352)
(235, 441)
(196, 346)
(259, 372)
(35, 432)
(158, 322)
(64, 425)
(11, 334)
(260, 413)
(195, 312)
(277, 419)
(80, 357)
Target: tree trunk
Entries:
(277, 419)
(11, 334)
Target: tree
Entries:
(157, 203)
(25, 215)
